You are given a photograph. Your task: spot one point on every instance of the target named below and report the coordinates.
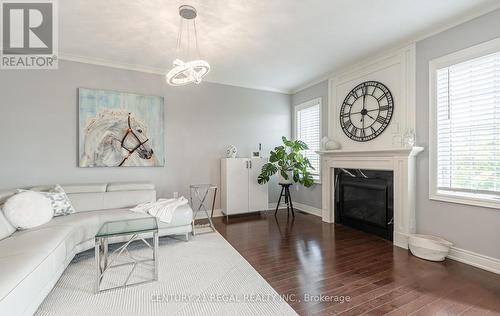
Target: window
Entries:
(465, 113)
(308, 130)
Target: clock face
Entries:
(366, 111)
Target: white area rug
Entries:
(205, 276)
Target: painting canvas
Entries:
(118, 129)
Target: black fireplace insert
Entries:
(364, 200)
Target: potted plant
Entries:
(288, 160)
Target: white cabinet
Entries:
(240, 192)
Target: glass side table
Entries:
(201, 192)
(135, 229)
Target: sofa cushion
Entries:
(5, 195)
(24, 251)
(17, 267)
(83, 202)
(28, 209)
(183, 215)
(60, 202)
(130, 186)
(84, 225)
(41, 239)
(84, 188)
(6, 229)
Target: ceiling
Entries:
(277, 45)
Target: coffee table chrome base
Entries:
(103, 263)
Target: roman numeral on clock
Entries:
(364, 90)
(380, 97)
(384, 108)
(347, 124)
(354, 130)
(362, 133)
(380, 119)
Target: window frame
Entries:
(302, 106)
(467, 198)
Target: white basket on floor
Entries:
(429, 247)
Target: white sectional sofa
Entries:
(31, 261)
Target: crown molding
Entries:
(406, 42)
(107, 63)
(152, 70)
(253, 87)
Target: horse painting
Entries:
(117, 137)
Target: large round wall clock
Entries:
(366, 111)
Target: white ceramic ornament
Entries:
(231, 151)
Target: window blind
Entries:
(468, 126)
(308, 125)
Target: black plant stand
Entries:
(285, 187)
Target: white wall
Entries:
(38, 126)
(472, 228)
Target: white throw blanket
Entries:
(163, 209)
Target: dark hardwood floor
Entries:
(305, 256)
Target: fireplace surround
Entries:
(402, 163)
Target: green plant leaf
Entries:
(285, 158)
(284, 174)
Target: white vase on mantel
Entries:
(329, 144)
(282, 180)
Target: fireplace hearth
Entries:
(364, 200)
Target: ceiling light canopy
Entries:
(194, 69)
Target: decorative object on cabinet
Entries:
(329, 144)
(201, 192)
(231, 151)
(240, 192)
(289, 162)
(366, 111)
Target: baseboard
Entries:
(302, 207)
(400, 240)
(465, 256)
(475, 259)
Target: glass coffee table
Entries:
(133, 229)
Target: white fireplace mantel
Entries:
(401, 161)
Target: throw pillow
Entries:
(58, 199)
(28, 209)
(6, 229)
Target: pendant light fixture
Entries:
(192, 68)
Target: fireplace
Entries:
(364, 200)
(401, 162)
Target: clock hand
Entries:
(370, 116)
